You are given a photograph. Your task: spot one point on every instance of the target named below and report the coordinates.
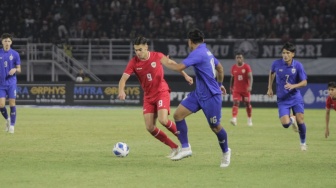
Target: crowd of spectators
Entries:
(53, 20)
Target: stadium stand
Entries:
(54, 20)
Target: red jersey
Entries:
(330, 103)
(240, 77)
(149, 73)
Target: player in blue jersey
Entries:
(206, 97)
(10, 64)
(290, 75)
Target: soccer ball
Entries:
(120, 149)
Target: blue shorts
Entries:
(212, 108)
(8, 91)
(284, 109)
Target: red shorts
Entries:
(241, 96)
(160, 101)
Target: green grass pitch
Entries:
(71, 147)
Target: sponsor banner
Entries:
(105, 94)
(42, 94)
(225, 49)
(258, 96)
(315, 95)
(76, 94)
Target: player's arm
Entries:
(220, 73)
(171, 64)
(231, 83)
(327, 118)
(122, 84)
(220, 77)
(17, 69)
(271, 77)
(298, 85)
(250, 78)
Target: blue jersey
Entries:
(8, 60)
(204, 66)
(292, 74)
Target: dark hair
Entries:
(288, 46)
(140, 40)
(332, 84)
(239, 53)
(196, 36)
(6, 35)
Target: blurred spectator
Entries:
(80, 76)
(62, 29)
(52, 20)
(67, 49)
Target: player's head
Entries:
(141, 47)
(195, 37)
(6, 40)
(332, 89)
(289, 47)
(239, 58)
(288, 52)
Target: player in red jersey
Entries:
(241, 86)
(147, 66)
(330, 104)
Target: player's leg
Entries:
(188, 106)
(156, 132)
(212, 109)
(163, 106)
(236, 98)
(3, 109)
(12, 118)
(285, 118)
(12, 105)
(150, 121)
(298, 111)
(163, 119)
(248, 106)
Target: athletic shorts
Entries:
(212, 108)
(161, 101)
(8, 91)
(284, 109)
(241, 96)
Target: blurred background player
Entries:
(290, 75)
(10, 65)
(147, 66)
(330, 104)
(207, 95)
(241, 87)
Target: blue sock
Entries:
(302, 132)
(182, 130)
(222, 139)
(13, 115)
(4, 112)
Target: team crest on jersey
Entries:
(293, 71)
(243, 71)
(11, 57)
(153, 64)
